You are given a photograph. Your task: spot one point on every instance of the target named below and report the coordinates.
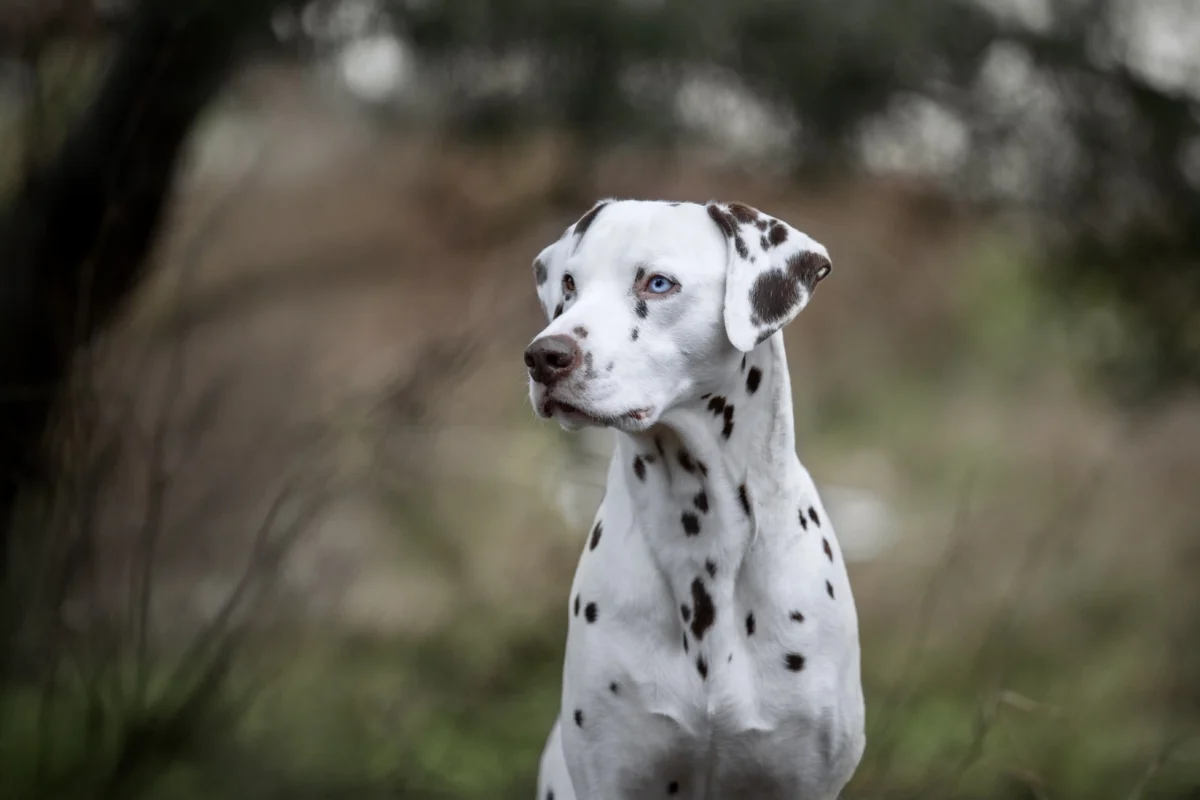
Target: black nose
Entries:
(552, 358)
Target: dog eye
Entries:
(659, 284)
(568, 283)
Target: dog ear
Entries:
(772, 273)
(547, 275)
(547, 267)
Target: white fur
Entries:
(761, 724)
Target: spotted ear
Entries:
(548, 267)
(772, 273)
(547, 275)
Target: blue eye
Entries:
(660, 285)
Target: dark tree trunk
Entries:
(75, 236)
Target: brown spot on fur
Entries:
(723, 219)
(776, 292)
(778, 234)
(740, 244)
(580, 331)
(743, 213)
(585, 222)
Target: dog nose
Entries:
(552, 358)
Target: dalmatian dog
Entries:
(712, 649)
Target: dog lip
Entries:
(550, 404)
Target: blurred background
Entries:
(278, 521)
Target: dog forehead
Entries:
(652, 233)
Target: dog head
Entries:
(650, 303)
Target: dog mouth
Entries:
(633, 417)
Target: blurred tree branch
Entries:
(76, 235)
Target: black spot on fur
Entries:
(686, 462)
(685, 643)
(639, 468)
(549, 794)
(740, 245)
(706, 396)
(691, 523)
(685, 612)
(577, 605)
(743, 367)
(828, 549)
(701, 501)
(650, 458)
(658, 445)
(580, 331)
(641, 273)
(673, 787)
(596, 531)
(539, 271)
(723, 219)
(803, 521)
(590, 611)
(703, 469)
(796, 616)
(744, 498)
(717, 404)
(704, 611)
(750, 624)
(727, 431)
(710, 567)
(829, 588)
(579, 717)
(642, 309)
(812, 514)
(753, 379)
(585, 222)
(763, 243)
(633, 336)
(702, 667)
(610, 366)
(794, 661)
(558, 311)
(612, 687)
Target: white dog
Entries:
(713, 643)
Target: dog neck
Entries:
(710, 462)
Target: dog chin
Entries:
(573, 418)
